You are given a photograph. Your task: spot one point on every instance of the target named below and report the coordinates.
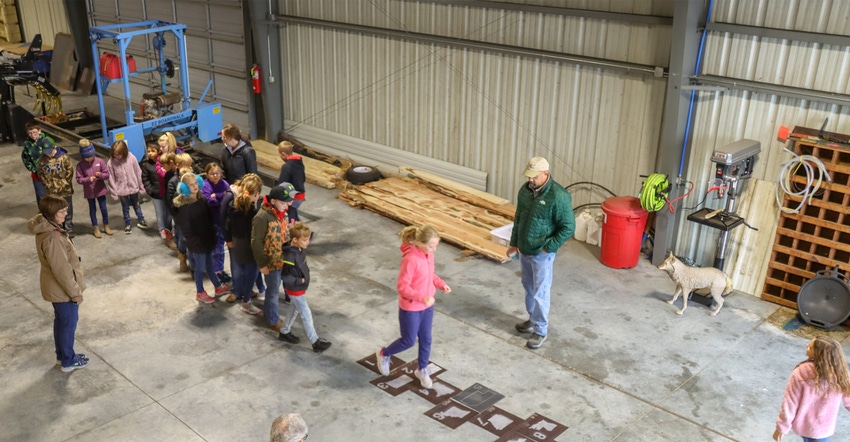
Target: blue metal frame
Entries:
(123, 33)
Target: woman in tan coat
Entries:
(61, 277)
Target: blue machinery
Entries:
(204, 121)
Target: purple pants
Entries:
(413, 325)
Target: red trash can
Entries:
(622, 231)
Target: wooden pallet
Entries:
(817, 238)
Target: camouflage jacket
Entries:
(32, 151)
(269, 232)
(57, 174)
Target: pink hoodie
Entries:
(416, 279)
(805, 409)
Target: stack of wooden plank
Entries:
(10, 30)
(464, 216)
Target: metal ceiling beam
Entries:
(549, 10)
(593, 62)
(773, 89)
(780, 34)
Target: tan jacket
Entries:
(61, 271)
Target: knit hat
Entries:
(86, 149)
(535, 166)
(283, 192)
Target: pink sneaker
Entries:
(222, 290)
(203, 297)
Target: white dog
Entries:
(688, 279)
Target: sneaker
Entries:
(106, 229)
(424, 377)
(79, 355)
(128, 229)
(203, 297)
(292, 339)
(383, 362)
(249, 308)
(96, 232)
(71, 234)
(261, 297)
(222, 289)
(535, 342)
(524, 327)
(223, 277)
(142, 224)
(162, 234)
(321, 345)
(231, 299)
(78, 363)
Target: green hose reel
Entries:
(653, 194)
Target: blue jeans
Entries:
(203, 264)
(244, 276)
(811, 439)
(66, 315)
(126, 202)
(537, 280)
(69, 219)
(270, 308)
(413, 325)
(163, 216)
(101, 201)
(40, 190)
(298, 305)
(218, 251)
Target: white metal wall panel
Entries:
(485, 111)
(630, 42)
(45, 17)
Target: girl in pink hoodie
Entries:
(417, 284)
(817, 387)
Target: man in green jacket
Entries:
(544, 220)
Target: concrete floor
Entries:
(619, 364)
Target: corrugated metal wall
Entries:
(725, 117)
(45, 17)
(482, 110)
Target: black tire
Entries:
(362, 174)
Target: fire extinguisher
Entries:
(256, 86)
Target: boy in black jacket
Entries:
(296, 277)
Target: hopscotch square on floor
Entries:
(478, 397)
(497, 421)
(394, 384)
(536, 428)
(438, 392)
(371, 363)
(450, 414)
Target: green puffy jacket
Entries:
(545, 221)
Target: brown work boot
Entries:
(96, 232)
(277, 326)
(106, 229)
(170, 244)
(184, 267)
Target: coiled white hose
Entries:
(812, 185)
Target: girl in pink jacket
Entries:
(416, 286)
(125, 183)
(817, 387)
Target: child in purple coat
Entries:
(92, 174)
(214, 189)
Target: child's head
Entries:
(830, 363)
(231, 135)
(213, 172)
(87, 150)
(424, 237)
(119, 150)
(167, 143)
(284, 149)
(168, 161)
(300, 235)
(183, 160)
(33, 129)
(182, 171)
(153, 151)
(249, 188)
(190, 185)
